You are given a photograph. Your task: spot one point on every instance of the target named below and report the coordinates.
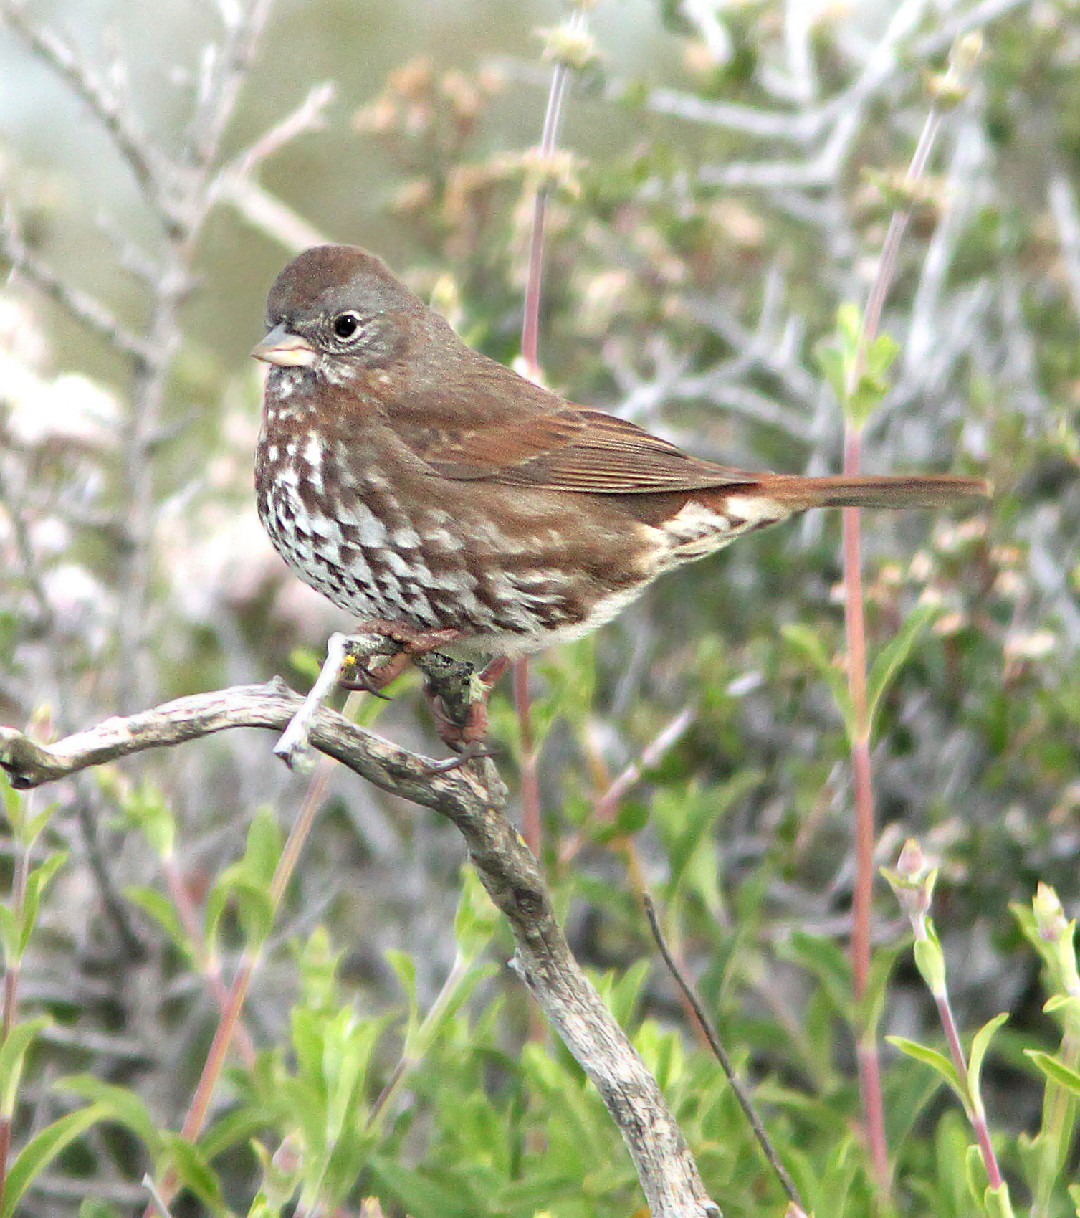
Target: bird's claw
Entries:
(355, 675)
(476, 751)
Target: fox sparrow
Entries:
(445, 500)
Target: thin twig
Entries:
(530, 340)
(741, 1094)
(308, 117)
(225, 69)
(651, 756)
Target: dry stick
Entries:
(741, 1094)
(869, 1063)
(530, 341)
(474, 799)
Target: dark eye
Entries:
(345, 325)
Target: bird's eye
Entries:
(345, 325)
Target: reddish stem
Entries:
(978, 1119)
(855, 625)
(865, 835)
(530, 347)
(211, 969)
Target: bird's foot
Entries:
(470, 752)
(458, 697)
(396, 643)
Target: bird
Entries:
(450, 504)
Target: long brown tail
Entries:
(874, 491)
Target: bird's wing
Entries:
(570, 448)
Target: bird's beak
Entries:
(284, 349)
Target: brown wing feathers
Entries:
(540, 440)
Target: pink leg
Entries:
(473, 731)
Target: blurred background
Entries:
(725, 177)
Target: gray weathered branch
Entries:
(474, 799)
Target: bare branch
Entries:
(309, 116)
(267, 214)
(474, 799)
(137, 150)
(83, 307)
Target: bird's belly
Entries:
(440, 565)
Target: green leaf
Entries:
(147, 810)
(263, 850)
(979, 1046)
(255, 908)
(33, 828)
(932, 1058)
(37, 882)
(163, 911)
(93, 1208)
(894, 654)
(40, 1151)
(234, 1128)
(838, 358)
(930, 961)
(12, 1057)
(997, 1202)
(476, 919)
(194, 1171)
(404, 967)
(828, 962)
(881, 356)
(685, 821)
(117, 1104)
(831, 362)
(318, 963)
(9, 936)
(421, 1196)
(808, 642)
(1055, 1070)
(347, 1053)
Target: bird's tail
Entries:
(875, 491)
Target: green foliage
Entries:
(856, 372)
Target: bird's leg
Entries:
(458, 697)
